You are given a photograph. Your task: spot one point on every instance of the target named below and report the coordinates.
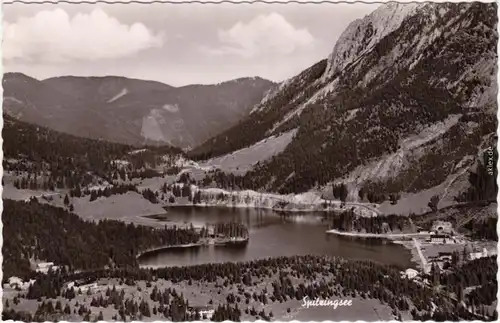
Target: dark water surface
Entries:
(272, 235)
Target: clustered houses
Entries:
(443, 259)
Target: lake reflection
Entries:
(272, 235)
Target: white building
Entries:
(478, 254)
(83, 288)
(18, 283)
(441, 227)
(439, 238)
(411, 273)
(15, 282)
(207, 313)
(44, 267)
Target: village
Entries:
(442, 247)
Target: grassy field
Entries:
(203, 293)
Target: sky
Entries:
(177, 44)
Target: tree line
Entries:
(299, 276)
(42, 231)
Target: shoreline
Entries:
(310, 208)
(156, 249)
(201, 243)
(376, 235)
(416, 255)
(305, 202)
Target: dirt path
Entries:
(420, 254)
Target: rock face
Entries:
(131, 111)
(363, 34)
(406, 99)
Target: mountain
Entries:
(405, 102)
(131, 111)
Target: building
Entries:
(88, 287)
(83, 288)
(478, 254)
(44, 267)
(206, 312)
(18, 283)
(442, 227)
(410, 273)
(438, 238)
(445, 256)
(15, 282)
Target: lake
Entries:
(271, 235)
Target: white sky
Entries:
(177, 44)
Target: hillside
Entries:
(38, 160)
(34, 231)
(131, 111)
(43, 148)
(405, 101)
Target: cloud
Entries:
(265, 34)
(53, 36)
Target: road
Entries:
(41, 195)
(367, 206)
(425, 268)
(378, 235)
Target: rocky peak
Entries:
(362, 34)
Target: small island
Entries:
(218, 234)
(231, 233)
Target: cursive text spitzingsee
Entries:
(325, 302)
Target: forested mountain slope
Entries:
(407, 96)
(53, 159)
(39, 231)
(131, 111)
